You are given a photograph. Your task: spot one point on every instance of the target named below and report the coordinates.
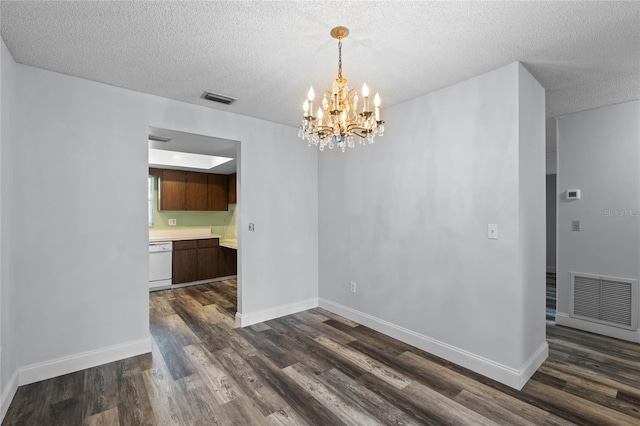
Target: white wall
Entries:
(80, 149)
(532, 216)
(599, 153)
(8, 376)
(406, 219)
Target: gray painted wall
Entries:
(551, 222)
(599, 153)
(79, 149)
(406, 219)
(7, 321)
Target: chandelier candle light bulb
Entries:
(338, 122)
(310, 97)
(365, 94)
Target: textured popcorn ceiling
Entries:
(266, 54)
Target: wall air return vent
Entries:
(216, 97)
(605, 300)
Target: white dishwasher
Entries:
(160, 259)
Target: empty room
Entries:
(319, 213)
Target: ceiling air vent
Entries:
(158, 138)
(216, 97)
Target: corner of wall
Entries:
(532, 212)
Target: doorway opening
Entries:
(193, 209)
(551, 294)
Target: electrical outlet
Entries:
(252, 227)
(173, 222)
(353, 287)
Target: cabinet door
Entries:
(217, 196)
(228, 262)
(208, 263)
(172, 190)
(196, 191)
(185, 266)
(231, 191)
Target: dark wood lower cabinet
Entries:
(196, 260)
(228, 262)
(185, 266)
(208, 258)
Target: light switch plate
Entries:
(492, 231)
(252, 227)
(575, 225)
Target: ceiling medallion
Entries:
(338, 122)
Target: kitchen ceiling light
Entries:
(161, 157)
(338, 122)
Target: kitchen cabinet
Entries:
(196, 260)
(195, 191)
(172, 190)
(155, 172)
(228, 262)
(180, 190)
(208, 259)
(185, 262)
(231, 189)
(217, 192)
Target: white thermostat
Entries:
(573, 194)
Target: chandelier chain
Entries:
(339, 58)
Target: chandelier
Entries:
(338, 122)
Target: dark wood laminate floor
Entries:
(317, 368)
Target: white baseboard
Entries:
(594, 327)
(65, 365)
(246, 319)
(8, 394)
(515, 378)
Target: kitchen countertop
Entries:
(179, 237)
(177, 234)
(229, 243)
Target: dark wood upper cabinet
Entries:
(217, 193)
(231, 191)
(155, 172)
(195, 191)
(172, 193)
(179, 190)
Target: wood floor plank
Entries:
(429, 373)
(286, 417)
(318, 368)
(104, 418)
(366, 399)
(585, 411)
(213, 375)
(374, 367)
(251, 385)
(490, 410)
(302, 403)
(134, 407)
(328, 397)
